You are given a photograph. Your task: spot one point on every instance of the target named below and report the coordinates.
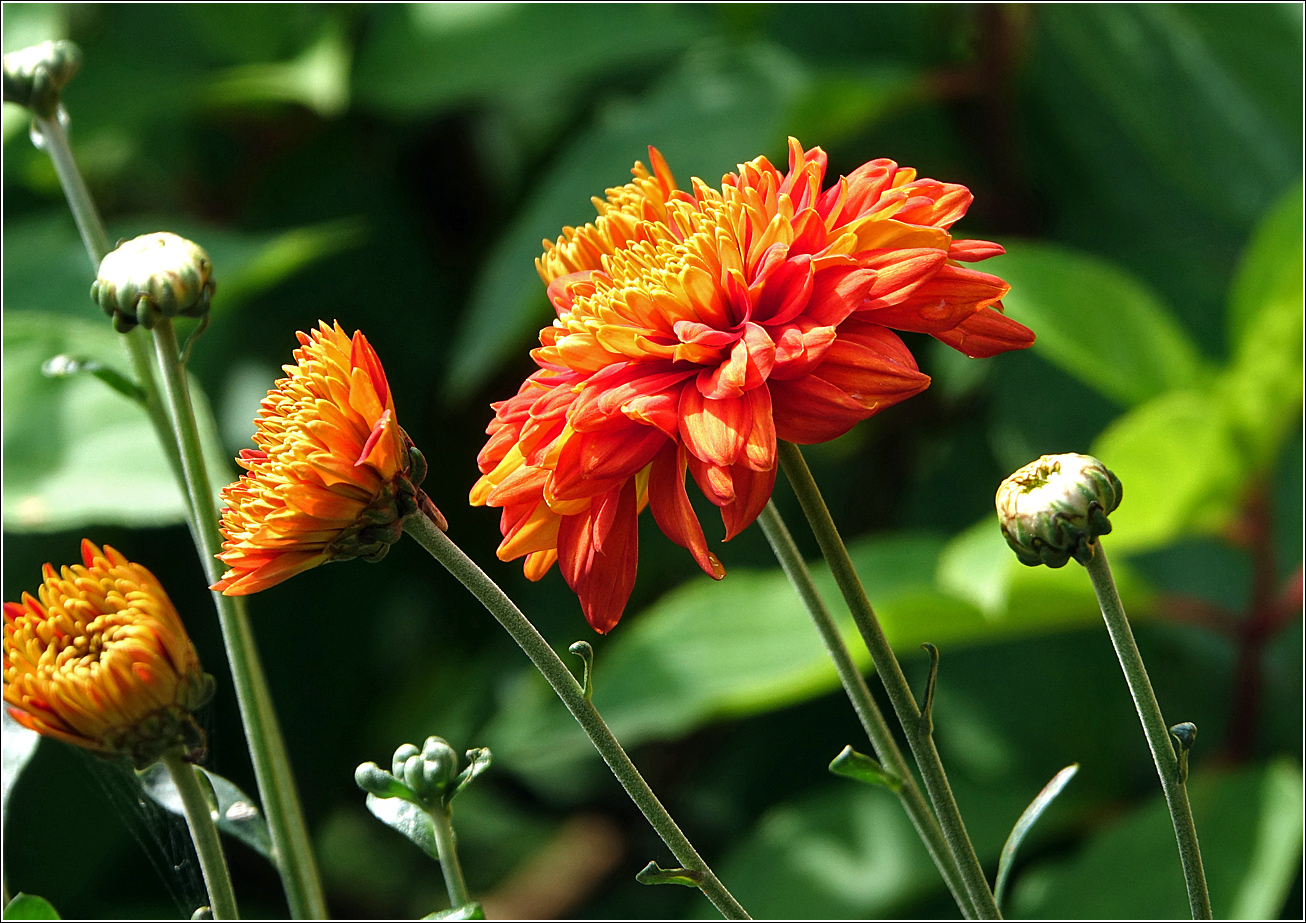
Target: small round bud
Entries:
(401, 757)
(153, 276)
(439, 763)
(35, 76)
(1055, 508)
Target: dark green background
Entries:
(395, 168)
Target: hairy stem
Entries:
(573, 696)
(208, 845)
(1155, 729)
(276, 782)
(877, 729)
(918, 735)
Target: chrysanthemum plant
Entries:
(702, 333)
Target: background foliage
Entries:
(395, 168)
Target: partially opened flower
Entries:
(694, 330)
(101, 660)
(333, 476)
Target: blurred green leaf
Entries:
(840, 102)
(406, 818)
(19, 746)
(1250, 825)
(423, 57)
(840, 852)
(77, 452)
(1262, 388)
(1028, 818)
(1269, 277)
(237, 813)
(1096, 321)
(318, 78)
(46, 267)
(709, 650)
(1180, 468)
(858, 766)
(1177, 78)
(720, 106)
(30, 907)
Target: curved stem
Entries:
(895, 683)
(446, 846)
(96, 242)
(1155, 729)
(267, 747)
(573, 696)
(877, 729)
(208, 845)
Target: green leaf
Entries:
(1269, 276)
(408, 819)
(1025, 823)
(30, 907)
(76, 452)
(1097, 322)
(1250, 827)
(419, 58)
(1205, 92)
(19, 747)
(720, 106)
(745, 645)
(839, 852)
(235, 813)
(1262, 388)
(318, 78)
(46, 267)
(1180, 468)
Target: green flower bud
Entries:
(34, 77)
(1055, 508)
(153, 276)
(401, 757)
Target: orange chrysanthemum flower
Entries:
(333, 476)
(101, 660)
(696, 329)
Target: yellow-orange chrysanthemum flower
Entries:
(696, 329)
(333, 476)
(101, 660)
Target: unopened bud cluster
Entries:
(428, 777)
(1055, 508)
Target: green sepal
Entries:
(860, 767)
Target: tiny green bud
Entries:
(439, 763)
(1055, 508)
(35, 76)
(401, 757)
(153, 276)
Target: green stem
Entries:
(1155, 729)
(877, 729)
(97, 247)
(276, 782)
(208, 846)
(446, 846)
(573, 696)
(895, 683)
